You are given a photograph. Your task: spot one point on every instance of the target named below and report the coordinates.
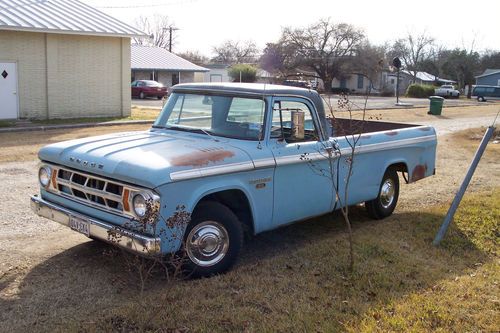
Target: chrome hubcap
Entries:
(207, 243)
(387, 193)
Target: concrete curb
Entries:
(71, 126)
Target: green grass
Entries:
(296, 279)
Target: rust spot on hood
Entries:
(391, 133)
(419, 172)
(424, 129)
(202, 157)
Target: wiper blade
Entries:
(208, 133)
(157, 126)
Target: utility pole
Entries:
(170, 29)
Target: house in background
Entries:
(63, 66)
(490, 77)
(220, 73)
(389, 79)
(356, 83)
(217, 73)
(156, 63)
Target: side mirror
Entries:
(298, 120)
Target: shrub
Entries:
(248, 73)
(420, 90)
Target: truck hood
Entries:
(142, 158)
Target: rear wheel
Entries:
(213, 240)
(142, 95)
(387, 198)
(481, 99)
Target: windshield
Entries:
(226, 116)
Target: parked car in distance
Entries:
(482, 93)
(447, 91)
(148, 88)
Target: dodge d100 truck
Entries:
(227, 159)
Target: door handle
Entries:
(15, 93)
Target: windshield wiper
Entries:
(157, 126)
(195, 130)
(208, 133)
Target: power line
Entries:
(180, 2)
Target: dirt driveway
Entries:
(27, 241)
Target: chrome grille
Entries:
(90, 189)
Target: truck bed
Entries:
(343, 126)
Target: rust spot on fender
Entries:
(391, 133)
(365, 137)
(202, 157)
(419, 172)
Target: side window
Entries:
(283, 117)
(140, 84)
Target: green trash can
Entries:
(436, 105)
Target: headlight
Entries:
(44, 174)
(139, 203)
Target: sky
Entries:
(205, 23)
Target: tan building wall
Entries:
(28, 51)
(67, 76)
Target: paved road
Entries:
(374, 102)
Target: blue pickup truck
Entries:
(225, 160)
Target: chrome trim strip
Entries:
(387, 145)
(129, 240)
(211, 171)
(263, 163)
(292, 159)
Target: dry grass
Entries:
(295, 280)
(289, 280)
(419, 115)
(24, 146)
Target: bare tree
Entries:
(195, 57)
(235, 52)
(157, 27)
(413, 50)
(323, 47)
(279, 58)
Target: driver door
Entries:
(302, 185)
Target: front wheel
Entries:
(142, 95)
(213, 240)
(387, 199)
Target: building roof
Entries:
(157, 58)
(489, 71)
(426, 77)
(61, 16)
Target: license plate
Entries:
(79, 225)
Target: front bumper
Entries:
(101, 230)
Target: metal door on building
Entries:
(8, 90)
